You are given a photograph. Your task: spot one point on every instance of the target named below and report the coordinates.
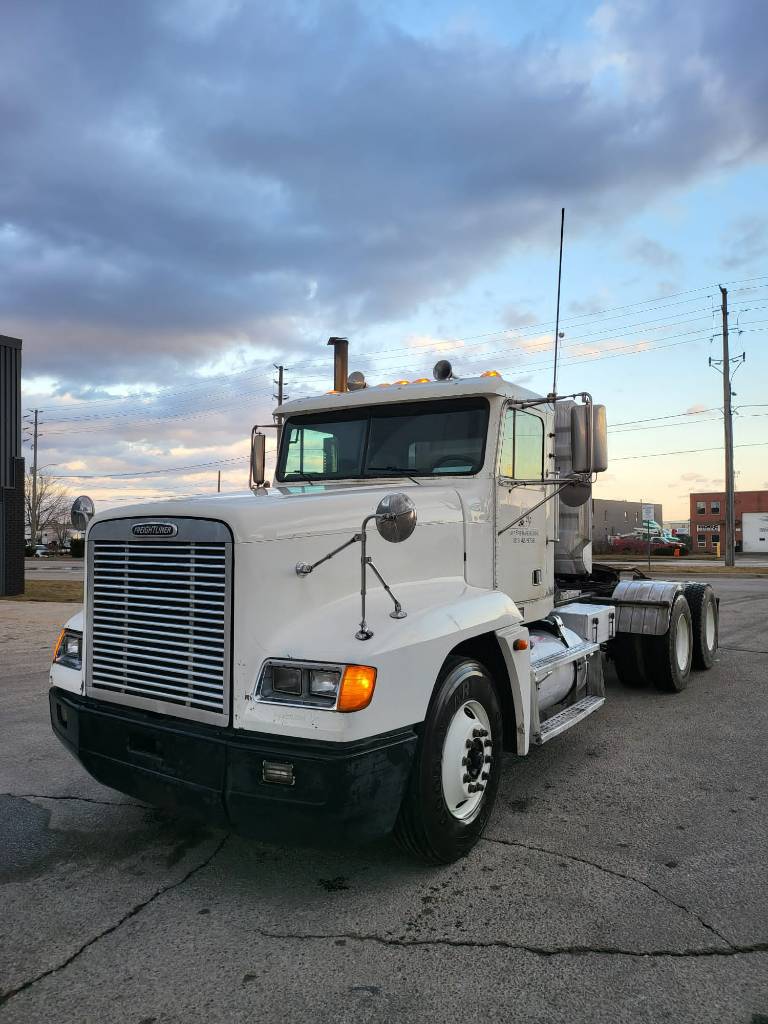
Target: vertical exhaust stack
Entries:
(340, 363)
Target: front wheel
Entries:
(455, 776)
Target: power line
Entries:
(688, 451)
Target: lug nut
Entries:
(477, 732)
(487, 759)
(488, 743)
(479, 788)
(463, 760)
(466, 778)
(483, 732)
(470, 744)
(484, 776)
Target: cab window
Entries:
(522, 446)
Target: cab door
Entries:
(522, 550)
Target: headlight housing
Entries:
(316, 684)
(69, 649)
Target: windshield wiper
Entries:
(303, 476)
(392, 469)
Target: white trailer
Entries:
(754, 533)
(349, 652)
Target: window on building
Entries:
(626, 514)
(637, 517)
(715, 538)
(701, 540)
(701, 508)
(714, 508)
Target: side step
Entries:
(563, 720)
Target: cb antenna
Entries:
(557, 318)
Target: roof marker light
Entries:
(421, 380)
(384, 384)
(490, 373)
(402, 382)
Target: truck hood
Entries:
(296, 512)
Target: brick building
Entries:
(708, 516)
(611, 517)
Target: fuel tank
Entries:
(559, 680)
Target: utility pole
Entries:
(33, 509)
(730, 511)
(280, 396)
(218, 485)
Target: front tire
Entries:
(455, 775)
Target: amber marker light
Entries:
(402, 382)
(357, 686)
(490, 373)
(422, 380)
(59, 642)
(520, 645)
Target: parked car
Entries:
(41, 551)
(634, 544)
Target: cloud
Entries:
(694, 410)
(746, 242)
(652, 254)
(179, 177)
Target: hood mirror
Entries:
(396, 517)
(82, 512)
(258, 459)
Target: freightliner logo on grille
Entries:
(154, 529)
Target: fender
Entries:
(644, 606)
(407, 654)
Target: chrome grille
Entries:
(159, 618)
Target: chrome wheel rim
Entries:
(683, 643)
(466, 760)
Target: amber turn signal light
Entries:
(357, 686)
(520, 645)
(59, 642)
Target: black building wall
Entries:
(11, 469)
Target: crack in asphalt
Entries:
(616, 874)
(81, 799)
(5, 996)
(543, 951)
(744, 650)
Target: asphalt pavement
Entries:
(623, 878)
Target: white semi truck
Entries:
(349, 651)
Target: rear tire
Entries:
(442, 815)
(670, 655)
(705, 618)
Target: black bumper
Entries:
(341, 791)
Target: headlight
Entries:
(69, 649)
(309, 684)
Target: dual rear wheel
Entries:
(690, 642)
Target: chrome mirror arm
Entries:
(305, 568)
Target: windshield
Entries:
(419, 439)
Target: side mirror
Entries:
(396, 517)
(258, 458)
(82, 512)
(589, 439)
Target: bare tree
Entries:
(51, 507)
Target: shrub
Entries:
(77, 545)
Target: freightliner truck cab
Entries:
(349, 652)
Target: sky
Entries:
(194, 190)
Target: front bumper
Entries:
(341, 791)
